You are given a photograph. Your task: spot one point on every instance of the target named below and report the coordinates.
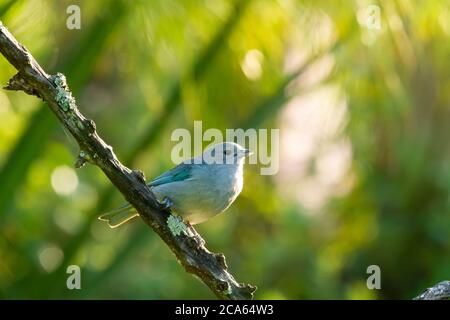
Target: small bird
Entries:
(198, 188)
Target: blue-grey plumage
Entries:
(197, 189)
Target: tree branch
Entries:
(183, 240)
(441, 291)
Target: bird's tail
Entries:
(119, 216)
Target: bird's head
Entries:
(225, 153)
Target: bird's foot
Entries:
(199, 241)
(166, 203)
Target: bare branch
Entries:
(186, 243)
(441, 291)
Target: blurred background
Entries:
(360, 91)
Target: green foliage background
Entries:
(364, 119)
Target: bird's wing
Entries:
(119, 216)
(179, 173)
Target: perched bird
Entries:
(196, 189)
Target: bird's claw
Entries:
(199, 241)
(166, 203)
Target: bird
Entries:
(198, 188)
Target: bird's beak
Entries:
(247, 153)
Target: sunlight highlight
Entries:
(50, 257)
(64, 180)
(252, 64)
